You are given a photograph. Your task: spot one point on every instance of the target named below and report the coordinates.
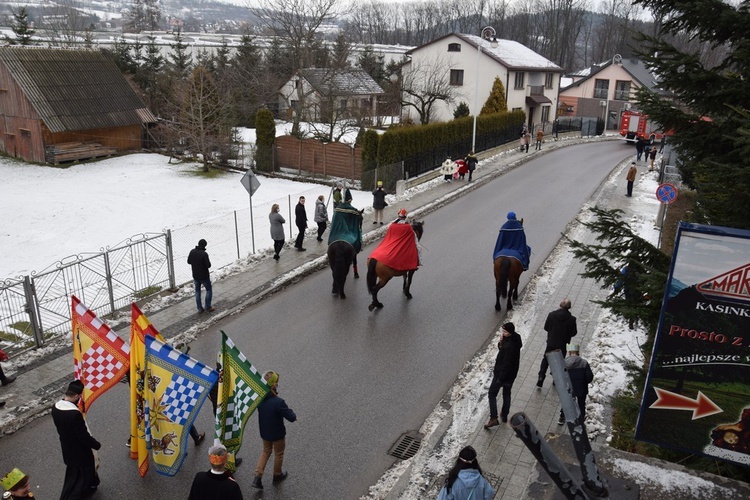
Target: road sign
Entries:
(250, 182)
(666, 193)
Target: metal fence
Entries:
(36, 308)
(587, 126)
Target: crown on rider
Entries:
(402, 213)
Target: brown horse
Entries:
(377, 271)
(507, 269)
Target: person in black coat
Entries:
(300, 219)
(272, 412)
(217, 483)
(76, 442)
(378, 203)
(581, 376)
(504, 373)
(200, 264)
(560, 327)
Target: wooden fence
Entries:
(318, 159)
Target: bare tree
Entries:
(425, 83)
(297, 23)
(66, 25)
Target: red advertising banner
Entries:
(697, 395)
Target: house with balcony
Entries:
(320, 94)
(469, 64)
(605, 90)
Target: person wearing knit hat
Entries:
(217, 482)
(511, 241)
(77, 444)
(504, 373)
(16, 485)
(272, 412)
(581, 376)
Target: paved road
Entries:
(358, 380)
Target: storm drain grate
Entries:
(406, 446)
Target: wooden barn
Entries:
(60, 105)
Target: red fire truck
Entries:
(635, 123)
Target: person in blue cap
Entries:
(511, 241)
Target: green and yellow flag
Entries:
(241, 389)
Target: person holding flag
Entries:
(271, 415)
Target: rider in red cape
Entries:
(511, 242)
(398, 250)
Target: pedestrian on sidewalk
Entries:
(581, 376)
(471, 163)
(527, 140)
(5, 379)
(465, 480)
(338, 195)
(652, 156)
(539, 139)
(321, 216)
(16, 485)
(271, 414)
(217, 483)
(277, 230)
(300, 220)
(632, 172)
(379, 203)
(560, 327)
(200, 263)
(447, 169)
(504, 374)
(77, 445)
(640, 144)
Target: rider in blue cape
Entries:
(346, 225)
(511, 242)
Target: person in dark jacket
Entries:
(77, 444)
(277, 230)
(560, 327)
(271, 414)
(300, 219)
(504, 373)
(200, 263)
(471, 163)
(378, 203)
(217, 483)
(581, 376)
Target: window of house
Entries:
(342, 104)
(457, 77)
(548, 79)
(297, 83)
(517, 109)
(545, 114)
(601, 89)
(622, 90)
(519, 80)
(454, 47)
(293, 104)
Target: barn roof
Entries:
(341, 83)
(75, 89)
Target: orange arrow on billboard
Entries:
(701, 406)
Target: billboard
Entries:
(697, 395)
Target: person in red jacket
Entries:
(504, 373)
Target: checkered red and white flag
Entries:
(101, 358)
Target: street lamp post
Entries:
(488, 33)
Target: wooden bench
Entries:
(71, 151)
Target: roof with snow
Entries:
(74, 89)
(341, 83)
(509, 53)
(634, 67)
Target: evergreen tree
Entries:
(707, 79)
(495, 103)
(623, 260)
(372, 63)
(122, 56)
(21, 28)
(179, 60)
(221, 59)
(340, 54)
(461, 110)
(265, 133)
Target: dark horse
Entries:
(341, 254)
(377, 271)
(507, 269)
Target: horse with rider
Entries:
(344, 243)
(511, 257)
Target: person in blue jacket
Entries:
(271, 415)
(511, 241)
(465, 480)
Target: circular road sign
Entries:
(666, 193)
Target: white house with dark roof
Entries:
(605, 89)
(531, 81)
(350, 93)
